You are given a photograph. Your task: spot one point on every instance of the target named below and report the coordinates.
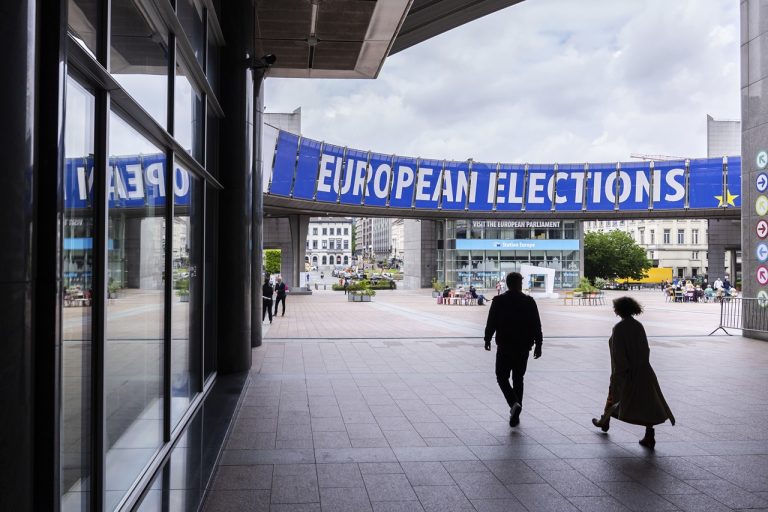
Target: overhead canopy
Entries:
(352, 38)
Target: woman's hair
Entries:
(626, 307)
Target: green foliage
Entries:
(438, 286)
(613, 255)
(272, 259)
(600, 283)
(585, 286)
(182, 286)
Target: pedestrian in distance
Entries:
(514, 318)
(266, 297)
(634, 394)
(280, 290)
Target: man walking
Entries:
(514, 318)
(280, 290)
(266, 298)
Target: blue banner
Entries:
(328, 173)
(379, 181)
(514, 245)
(307, 168)
(132, 182)
(508, 188)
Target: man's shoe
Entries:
(514, 414)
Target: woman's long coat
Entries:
(634, 387)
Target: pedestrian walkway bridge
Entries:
(309, 176)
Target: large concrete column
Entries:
(299, 228)
(235, 206)
(754, 140)
(420, 258)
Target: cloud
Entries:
(542, 81)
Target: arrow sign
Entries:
(762, 275)
(762, 252)
(762, 298)
(762, 159)
(762, 228)
(762, 182)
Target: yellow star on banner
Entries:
(728, 200)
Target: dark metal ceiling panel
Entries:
(344, 20)
(336, 55)
(291, 54)
(429, 18)
(283, 19)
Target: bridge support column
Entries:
(754, 134)
(299, 226)
(289, 234)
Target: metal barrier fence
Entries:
(742, 313)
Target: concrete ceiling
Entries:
(353, 38)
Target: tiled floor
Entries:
(393, 406)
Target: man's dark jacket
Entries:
(280, 289)
(514, 318)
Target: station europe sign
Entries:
(307, 169)
(132, 182)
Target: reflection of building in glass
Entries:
(482, 252)
(329, 241)
(398, 239)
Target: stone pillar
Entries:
(299, 228)
(754, 140)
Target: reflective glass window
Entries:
(133, 352)
(188, 115)
(139, 58)
(83, 23)
(212, 64)
(77, 298)
(190, 14)
(186, 312)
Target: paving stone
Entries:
(636, 497)
(353, 499)
(397, 506)
(339, 475)
(375, 468)
(243, 477)
(427, 473)
(498, 505)
(295, 483)
(541, 497)
(443, 498)
(388, 487)
(237, 501)
(597, 504)
(481, 485)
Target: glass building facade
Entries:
(482, 252)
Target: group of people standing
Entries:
(634, 394)
(278, 291)
(719, 289)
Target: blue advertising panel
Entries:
(457, 186)
(734, 181)
(463, 244)
(78, 182)
(569, 187)
(154, 179)
(509, 187)
(705, 183)
(355, 176)
(428, 183)
(669, 185)
(404, 181)
(329, 177)
(379, 180)
(306, 169)
(635, 186)
(284, 164)
(601, 187)
(538, 196)
(483, 187)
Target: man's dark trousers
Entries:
(266, 308)
(277, 303)
(514, 362)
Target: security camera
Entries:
(264, 62)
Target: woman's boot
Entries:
(649, 441)
(603, 423)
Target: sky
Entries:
(541, 81)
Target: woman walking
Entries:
(634, 395)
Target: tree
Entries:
(613, 255)
(272, 261)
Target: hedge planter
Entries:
(354, 297)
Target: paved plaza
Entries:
(393, 406)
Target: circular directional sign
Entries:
(762, 182)
(762, 228)
(761, 252)
(762, 275)
(761, 205)
(762, 159)
(762, 298)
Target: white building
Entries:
(329, 241)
